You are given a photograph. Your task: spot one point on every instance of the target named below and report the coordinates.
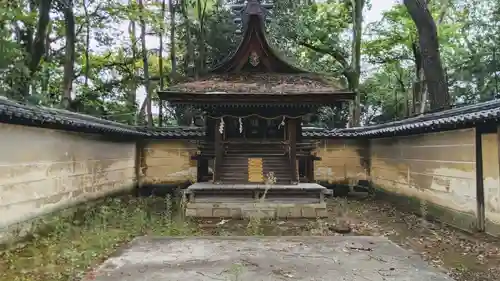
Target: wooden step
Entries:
(241, 181)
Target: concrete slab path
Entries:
(335, 258)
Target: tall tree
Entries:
(87, 41)
(357, 25)
(147, 82)
(132, 91)
(429, 50)
(69, 61)
(173, 59)
(160, 61)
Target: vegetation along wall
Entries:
(42, 170)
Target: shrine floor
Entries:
(266, 258)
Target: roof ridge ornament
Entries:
(253, 8)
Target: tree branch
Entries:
(38, 47)
(347, 70)
(80, 27)
(336, 54)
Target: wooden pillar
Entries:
(310, 168)
(219, 152)
(202, 169)
(292, 139)
(140, 162)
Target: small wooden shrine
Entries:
(253, 104)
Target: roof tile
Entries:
(255, 83)
(467, 116)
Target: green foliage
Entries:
(108, 82)
(322, 25)
(67, 245)
(467, 43)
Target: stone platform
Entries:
(303, 200)
(347, 258)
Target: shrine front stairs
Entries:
(303, 200)
(247, 162)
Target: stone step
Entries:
(244, 180)
(264, 209)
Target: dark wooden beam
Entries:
(258, 98)
(219, 152)
(292, 140)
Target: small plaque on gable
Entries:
(254, 59)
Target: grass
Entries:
(67, 247)
(76, 244)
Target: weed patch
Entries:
(75, 245)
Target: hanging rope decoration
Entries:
(282, 124)
(221, 126)
(259, 116)
(240, 118)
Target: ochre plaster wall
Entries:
(490, 143)
(342, 161)
(42, 170)
(434, 172)
(168, 162)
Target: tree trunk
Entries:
(202, 7)
(87, 42)
(429, 49)
(46, 69)
(147, 83)
(38, 47)
(173, 60)
(189, 57)
(160, 62)
(69, 62)
(419, 91)
(357, 15)
(34, 47)
(132, 94)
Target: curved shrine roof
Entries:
(255, 68)
(260, 83)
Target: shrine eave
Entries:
(260, 83)
(269, 99)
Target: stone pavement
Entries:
(334, 258)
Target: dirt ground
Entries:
(76, 245)
(464, 256)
